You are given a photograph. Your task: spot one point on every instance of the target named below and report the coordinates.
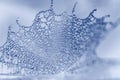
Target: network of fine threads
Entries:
(53, 42)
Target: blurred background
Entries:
(26, 10)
